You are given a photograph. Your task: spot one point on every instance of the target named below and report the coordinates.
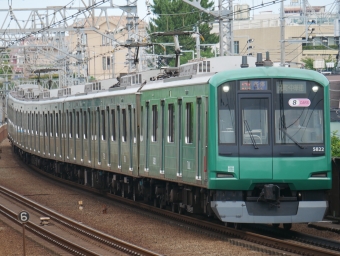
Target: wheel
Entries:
(287, 226)
(237, 225)
(276, 225)
(229, 224)
(173, 207)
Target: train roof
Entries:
(263, 72)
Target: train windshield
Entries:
(270, 111)
(298, 112)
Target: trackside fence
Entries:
(334, 195)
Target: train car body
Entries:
(247, 145)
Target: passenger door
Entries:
(255, 141)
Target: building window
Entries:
(104, 63)
(236, 47)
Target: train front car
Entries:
(269, 157)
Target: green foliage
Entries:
(308, 63)
(335, 144)
(183, 17)
(319, 47)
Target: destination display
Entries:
(291, 87)
(253, 85)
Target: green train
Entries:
(245, 145)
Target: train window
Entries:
(113, 125)
(32, 120)
(154, 123)
(189, 123)
(124, 135)
(254, 114)
(46, 124)
(98, 123)
(77, 125)
(298, 112)
(94, 125)
(56, 124)
(51, 125)
(70, 125)
(28, 122)
(36, 124)
(85, 124)
(103, 125)
(134, 127)
(226, 113)
(141, 125)
(171, 123)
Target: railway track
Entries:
(95, 242)
(291, 245)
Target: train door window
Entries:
(46, 124)
(94, 123)
(154, 123)
(28, 122)
(189, 123)
(171, 123)
(32, 125)
(51, 125)
(141, 124)
(98, 123)
(56, 124)
(85, 124)
(147, 136)
(77, 125)
(103, 125)
(70, 125)
(134, 126)
(113, 125)
(254, 114)
(36, 124)
(226, 113)
(124, 135)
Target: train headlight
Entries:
(226, 88)
(315, 88)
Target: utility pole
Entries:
(225, 18)
(198, 50)
(282, 33)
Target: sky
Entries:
(142, 10)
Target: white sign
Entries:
(299, 102)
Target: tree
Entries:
(176, 15)
(335, 144)
(308, 63)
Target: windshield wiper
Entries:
(297, 143)
(251, 135)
